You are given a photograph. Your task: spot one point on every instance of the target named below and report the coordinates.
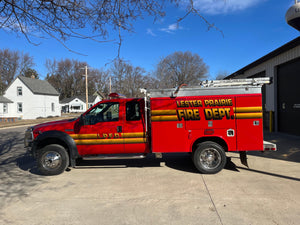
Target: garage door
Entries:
(288, 97)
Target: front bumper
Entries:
(28, 139)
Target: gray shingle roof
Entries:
(41, 87)
(5, 100)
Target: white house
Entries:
(5, 107)
(29, 98)
(77, 104)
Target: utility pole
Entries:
(86, 88)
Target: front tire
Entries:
(52, 160)
(209, 157)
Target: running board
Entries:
(112, 157)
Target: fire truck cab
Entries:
(206, 121)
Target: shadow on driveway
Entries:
(288, 147)
(177, 161)
(15, 180)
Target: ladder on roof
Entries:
(236, 82)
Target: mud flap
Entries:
(243, 158)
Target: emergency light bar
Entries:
(116, 95)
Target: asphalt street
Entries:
(151, 191)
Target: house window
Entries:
(52, 107)
(76, 107)
(5, 108)
(20, 107)
(19, 91)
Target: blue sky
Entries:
(251, 28)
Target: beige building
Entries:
(281, 99)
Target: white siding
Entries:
(33, 105)
(77, 103)
(97, 99)
(2, 114)
(82, 105)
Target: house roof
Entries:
(41, 87)
(5, 100)
(80, 97)
(100, 94)
(292, 44)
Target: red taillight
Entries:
(268, 146)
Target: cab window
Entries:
(133, 111)
(105, 112)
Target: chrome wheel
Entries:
(51, 160)
(210, 158)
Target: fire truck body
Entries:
(178, 123)
(206, 121)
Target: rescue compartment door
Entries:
(134, 132)
(167, 132)
(102, 130)
(248, 114)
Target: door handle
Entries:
(119, 129)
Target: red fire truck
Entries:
(206, 121)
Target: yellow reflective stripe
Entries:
(110, 141)
(164, 118)
(135, 140)
(98, 141)
(248, 109)
(84, 136)
(163, 112)
(248, 115)
(95, 136)
(133, 135)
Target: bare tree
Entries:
(101, 79)
(9, 61)
(32, 73)
(67, 77)
(222, 74)
(118, 71)
(128, 79)
(26, 64)
(12, 64)
(63, 19)
(181, 68)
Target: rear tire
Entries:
(52, 160)
(209, 157)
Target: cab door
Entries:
(134, 132)
(101, 131)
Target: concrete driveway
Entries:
(151, 191)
